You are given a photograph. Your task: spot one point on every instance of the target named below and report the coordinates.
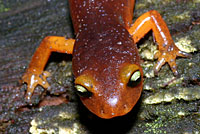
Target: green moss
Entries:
(181, 16)
(167, 118)
(3, 8)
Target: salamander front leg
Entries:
(35, 75)
(167, 49)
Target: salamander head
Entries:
(109, 97)
(107, 73)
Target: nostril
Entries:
(125, 107)
(102, 111)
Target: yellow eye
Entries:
(82, 91)
(135, 79)
(84, 85)
(130, 74)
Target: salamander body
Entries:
(106, 63)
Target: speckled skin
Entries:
(88, 14)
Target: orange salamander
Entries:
(106, 63)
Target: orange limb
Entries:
(168, 51)
(35, 75)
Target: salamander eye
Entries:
(135, 79)
(131, 75)
(82, 91)
(84, 85)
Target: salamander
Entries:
(106, 64)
